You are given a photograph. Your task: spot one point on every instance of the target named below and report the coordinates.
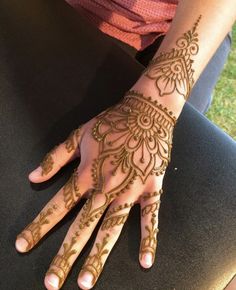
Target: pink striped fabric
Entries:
(135, 22)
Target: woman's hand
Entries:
(124, 152)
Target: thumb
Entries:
(57, 157)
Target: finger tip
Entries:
(146, 261)
(21, 245)
(35, 174)
(85, 281)
(51, 282)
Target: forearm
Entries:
(197, 30)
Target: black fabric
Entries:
(56, 72)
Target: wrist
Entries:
(174, 102)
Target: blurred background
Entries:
(223, 108)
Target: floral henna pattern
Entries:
(60, 265)
(149, 243)
(94, 263)
(172, 71)
(135, 137)
(71, 192)
(32, 233)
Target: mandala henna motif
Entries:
(33, 230)
(149, 243)
(71, 192)
(172, 71)
(93, 263)
(135, 137)
(60, 265)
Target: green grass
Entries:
(223, 108)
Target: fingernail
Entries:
(147, 259)
(52, 280)
(21, 244)
(86, 280)
(35, 172)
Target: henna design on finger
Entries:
(47, 162)
(93, 263)
(150, 208)
(111, 220)
(172, 71)
(34, 228)
(114, 221)
(149, 243)
(60, 265)
(72, 141)
(71, 191)
(152, 194)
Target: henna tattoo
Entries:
(114, 221)
(111, 220)
(152, 194)
(71, 192)
(151, 207)
(34, 228)
(146, 127)
(60, 265)
(172, 71)
(149, 243)
(118, 208)
(93, 263)
(47, 162)
(72, 140)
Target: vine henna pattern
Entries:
(149, 243)
(93, 263)
(32, 233)
(60, 265)
(71, 192)
(172, 71)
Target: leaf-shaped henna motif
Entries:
(71, 192)
(172, 71)
(47, 162)
(112, 219)
(72, 140)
